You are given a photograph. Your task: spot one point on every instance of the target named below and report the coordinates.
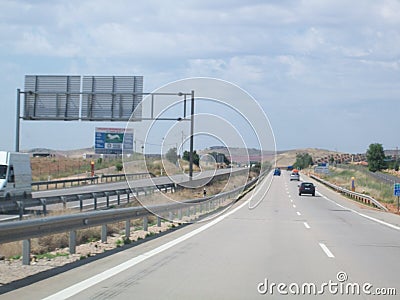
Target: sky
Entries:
(325, 73)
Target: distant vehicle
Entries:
(295, 176)
(306, 188)
(277, 172)
(15, 175)
(289, 168)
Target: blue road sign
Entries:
(397, 189)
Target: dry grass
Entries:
(364, 183)
(44, 168)
(213, 188)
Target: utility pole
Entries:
(191, 136)
(17, 124)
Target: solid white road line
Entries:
(83, 285)
(326, 250)
(306, 225)
(298, 213)
(361, 214)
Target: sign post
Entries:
(397, 193)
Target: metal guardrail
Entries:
(89, 180)
(357, 196)
(28, 229)
(21, 205)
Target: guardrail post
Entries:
(80, 202)
(104, 233)
(43, 201)
(94, 201)
(127, 196)
(72, 242)
(188, 211)
(145, 223)
(118, 198)
(158, 221)
(107, 199)
(64, 202)
(26, 252)
(180, 214)
(128, 228)
(21, 209)
(170, 216)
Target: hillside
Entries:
(287, 158)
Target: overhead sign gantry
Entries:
(91, 98)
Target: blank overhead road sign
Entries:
(52, 97)
(99, 98)
(113, 98)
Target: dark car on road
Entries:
(306, 188)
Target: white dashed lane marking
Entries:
(326, 250)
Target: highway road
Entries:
(287, 244)
(199, 179)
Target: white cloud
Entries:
(295, 67)
(390, 11)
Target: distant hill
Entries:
(64, 153)
(241, 155)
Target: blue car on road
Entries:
(277, 172)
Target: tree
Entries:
(119, 166)
(396, 166)
(172, 155)
(196, 158)
(256, 167)
(303, 160)
(220, 156)
(375, 157)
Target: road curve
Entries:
(286, 241)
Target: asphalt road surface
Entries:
(288, 244)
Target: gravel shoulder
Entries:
(13, 270)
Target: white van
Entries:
(15, 175)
